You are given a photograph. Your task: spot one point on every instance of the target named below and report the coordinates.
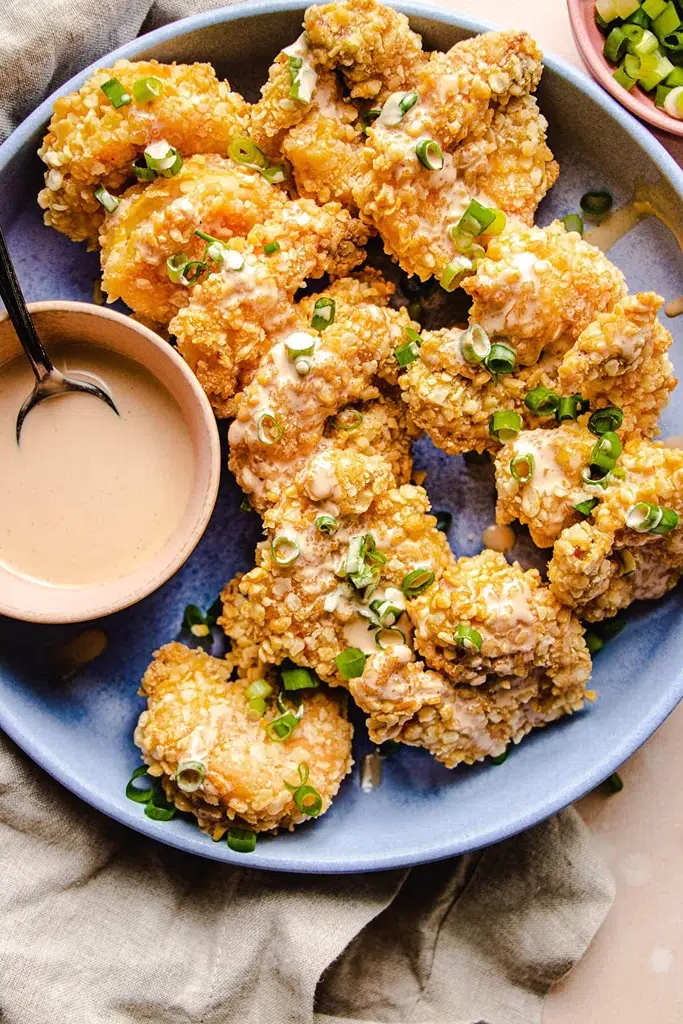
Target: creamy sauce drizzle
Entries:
(648, 201)
(89, 496)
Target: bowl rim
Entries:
(636, 103)
(95, 600)
(601, 768)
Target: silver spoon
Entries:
(50, 382)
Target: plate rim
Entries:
(378, 861)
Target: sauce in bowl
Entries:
(89, 496)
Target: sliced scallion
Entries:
(626, 561)
(505, 425)
(299, 344)
(541, 401)
(468, 638)
(116, 93)
(326, 525)
(570, 407)
(284, 550)
(416, 582)
(456, 271)
(382, 635)
(162, 158)
(241, 840)
(351, 663)
(522, 468)
(585, 508)
(386, 612)
(605, 420)
(593, 643)
(323, 313)
(606, 451)
(501, 359)
(475, 346)
(158, 808)
(243, 151)
(147, 89)
(270, 248)
(133, 792)
(268, 428)
(367, 119)
(597, 203)
(282, 727)
(499, 758)
(572, 222)
(190, 775)
(308, 800)
(258, 688)
(476, 218)
(407, 353)
(430, 154)
(141, 171)
(348, 419)
(256, 708)
(294, 677)
(106, 199)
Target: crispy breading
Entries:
(541, 285)
(276, 112)
(621, 359)
(372, 45)
(195, 713)
(89, 142)
(233, 315)
(157, 221)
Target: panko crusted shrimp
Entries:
(196, 716)
(90, 142)
(157, 222)
(372, 45)
(320, 603)
(235, 314)
(409, 703)
(630, 546)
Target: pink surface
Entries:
(590, 41)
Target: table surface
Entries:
(630, 974)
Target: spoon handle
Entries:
(12, 296)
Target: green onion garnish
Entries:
(282, 727)
(593, 643)
(259, 688)
(501, 359)
(256, 708)
(268, 428)
(572, 222)
(141, 171)
(595, 477)
(196, 621)
(146, 89)
(308, 800)
(455, 272)
(162, 158)
(597, 203)
(500, 758)
(274, 173)
(570, 407)
(615, 783)
(468, 638)
(175, 266)
(606, 451)
(476, 219)
(407, 353)
(505, 425)
(585, 508)
(243, 151)
(241, 840)
(522, 468)
(603, 421)
(644, 517)
(443, 520)
(352, 420)
(615, 45)
(627, 562)
(271, 247)
(323, 314)
(284, 550)
(116, 93)
(106, 199)
(382, 634)
(351, 663)
(430, 154)
(475, 346)
(327, 525)
(190, 775)
(367, 118)
(386, 612)
(541, 401)
(245, 505)
(416, 582)
(140, 796)
(408, 102)
(159, 808)
(299, 344)
(296, 678)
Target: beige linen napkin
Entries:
(101, 926)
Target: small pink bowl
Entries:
(590, 41)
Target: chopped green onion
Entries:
(256, 709)
(351, 663)
(585, 508)
(245, 505)
(659, 520)
(392, 630)
(241, 840)
(323, 313)
(627, 561)
(162, 158)
(106, 199)
(414, 310)
(643, 517)
(413, 335)
(443, 520)
(499, 758)
(593, 643)
(141, 171)
(615, 783)
(416, 582)
(622, 78)
(653, 8)
(673, 102)
(299, 344)
(140, 796)
(282, 727)
(595, 477)
(302, 79)
(639, 17)
(661, 94)
(284, 550)
(541, 401)
(303, 771)
(475, 346)
(386, 612)
(309, 801)
(597, 203)
(606, 451)
(116, 93)
(367, 118)
(180, 270)
(408, 102)
(497, 225)
(455, 272)
(243, 151)
(572, 222)
(675, 78)
(268, 428)
(570, 407)
(603, 421)
(158, 808)
(666, 22)
(259, 688)
(615, 45)
(275, 174)
(501, 359)
(468, 638)
(326, 525)
(407, 353)
(195, 620)
(522, 468)
(296, 678)
(146, 89)
(271, 247)
(430, 154)
(476, 219)
(640, 40)
(505, 425)
(190, 775)
(352, 421)
(303, 366)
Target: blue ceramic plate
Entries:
(81, 731)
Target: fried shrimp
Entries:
(157, 222)
(626, 549)
(90, 142)
(219, 763)
(372, 45)
(234, 315)
(537, 286)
